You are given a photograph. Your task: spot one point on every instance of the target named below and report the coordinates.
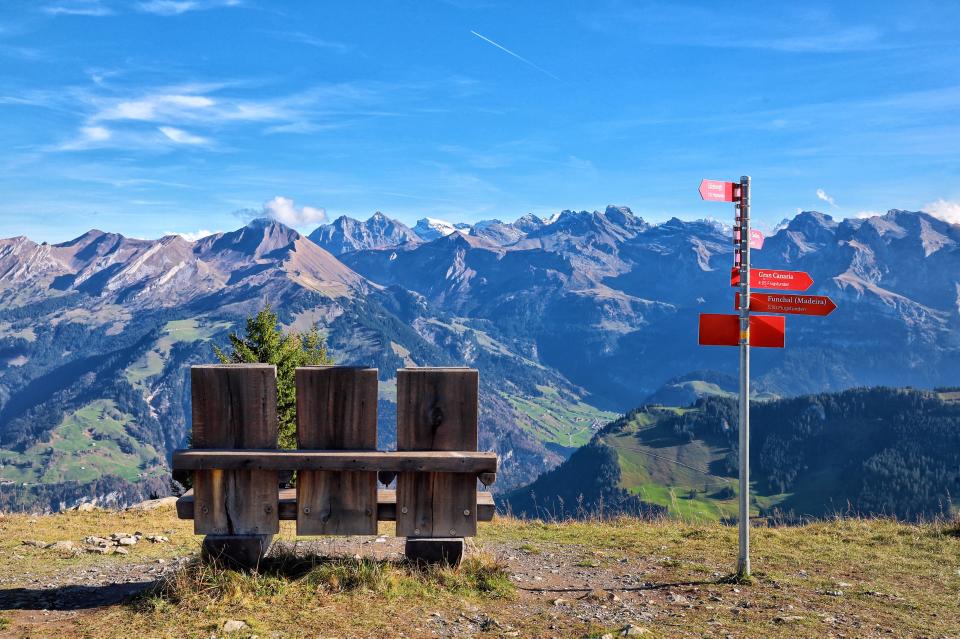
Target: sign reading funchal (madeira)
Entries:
(746, 330)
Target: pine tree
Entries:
(264, 342)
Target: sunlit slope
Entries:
(878, 451)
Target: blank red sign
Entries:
(766, 331)
(717, 191)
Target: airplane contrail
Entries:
(518, 57)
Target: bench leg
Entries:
(446, 551)
(236, 551)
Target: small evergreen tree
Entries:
(264, 342)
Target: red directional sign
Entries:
(771, 278)
(766, 331)
(717, 191)
(792, 304)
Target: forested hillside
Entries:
(876, 451)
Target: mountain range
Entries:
(570, 320)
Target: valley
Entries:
(572, 320)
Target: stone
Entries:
(233, 625)
(153, 504)
(62, 546)
(86, 507)
(127, 541)
(120, 550)
(33, 542)
(601, 596)
(631, 630)
(101, 550)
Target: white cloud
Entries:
(177, 7)
(156, 107)
(192, 236)
(821, 194)
(182, 137)
(89, 137)
(284, 211)
(79, 8)
(865, 214)
(167, 7)
(945, 210)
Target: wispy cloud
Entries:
(822, 195)
(182, 137)
(87, 137)
(178, 7)
(783, 29)
(945, 210)
(518, 57)
(93, 8)
(311, 40)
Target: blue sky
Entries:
(155, 116)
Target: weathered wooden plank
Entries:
(386, 505)
(474, 463)
(437, 411)
(235, 406)
(337, 410)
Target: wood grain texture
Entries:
(437, 410)
(235, 406)
(386, 505)
(478, 463)
(337, 410)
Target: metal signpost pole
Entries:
(743, 562)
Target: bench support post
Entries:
(235, 406)
(235, 551)
(436, 550)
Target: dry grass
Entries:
(900, 580)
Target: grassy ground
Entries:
(842, 578)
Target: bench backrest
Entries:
(235, 407)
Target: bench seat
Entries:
(386, 505)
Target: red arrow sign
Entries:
(792, 304)
(717, 191)
(770, 278)
(766, 331)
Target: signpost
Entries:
(746, 330)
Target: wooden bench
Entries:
(236, 502)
